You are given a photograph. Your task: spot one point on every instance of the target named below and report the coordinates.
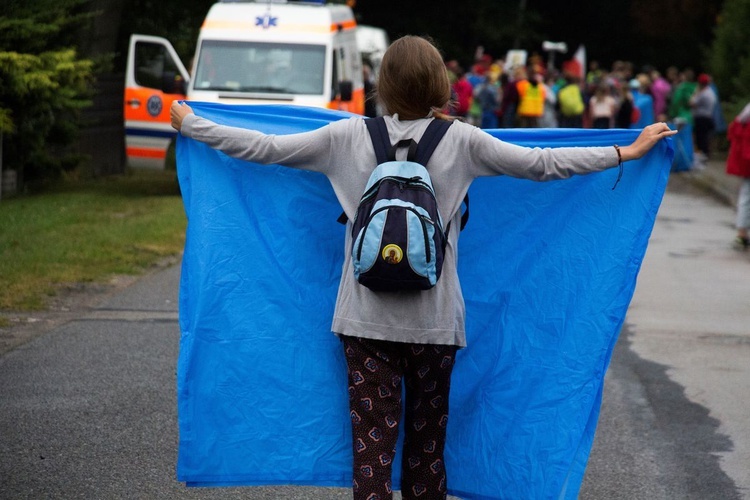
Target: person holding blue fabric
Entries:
(405, 338)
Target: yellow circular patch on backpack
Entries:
(392, 254)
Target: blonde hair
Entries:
(413, 81)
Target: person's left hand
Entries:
(646, 140)
(177, 113)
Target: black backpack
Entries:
(398, 235)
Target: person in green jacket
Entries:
(679, 107)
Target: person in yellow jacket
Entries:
(531, 96)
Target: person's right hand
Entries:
(177, 112)
(646, 140)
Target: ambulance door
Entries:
(348, 87)
(154, 78)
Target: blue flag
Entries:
(547, 269)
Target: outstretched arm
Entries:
(491, 156)
(306, 150)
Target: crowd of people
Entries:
(493, 95)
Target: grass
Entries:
(86, 232)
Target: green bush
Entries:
(730, 55)
(44, 85)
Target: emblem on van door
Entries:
(154, 105)
(266, 20)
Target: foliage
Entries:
(660, 33)
(43, 85)
(674, 32)
(730, 54)
(492, 25)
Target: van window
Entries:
(153, 65)
(273, 68)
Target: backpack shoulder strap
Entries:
(430, 139)
(380, 140)
(421, 153)
(427, 144)
(465, 215)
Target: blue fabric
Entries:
(683, 145)
(548, 270)
(720, 124)
(645, 103)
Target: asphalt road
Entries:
(88, 401)
(675, 420)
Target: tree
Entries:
(730, 54)
(43, 85)
(457, 29)
(660, 33)
(674, 32)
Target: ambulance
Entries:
(372, 43)
(248, 52)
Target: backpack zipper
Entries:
(401, 181)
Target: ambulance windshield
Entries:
(267, 68)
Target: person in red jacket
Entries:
(738, 163)
(464, 93)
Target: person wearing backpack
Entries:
(394, 338)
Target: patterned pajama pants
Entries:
(376, 371)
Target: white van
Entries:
(248, 52)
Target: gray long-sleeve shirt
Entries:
(343, 152)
